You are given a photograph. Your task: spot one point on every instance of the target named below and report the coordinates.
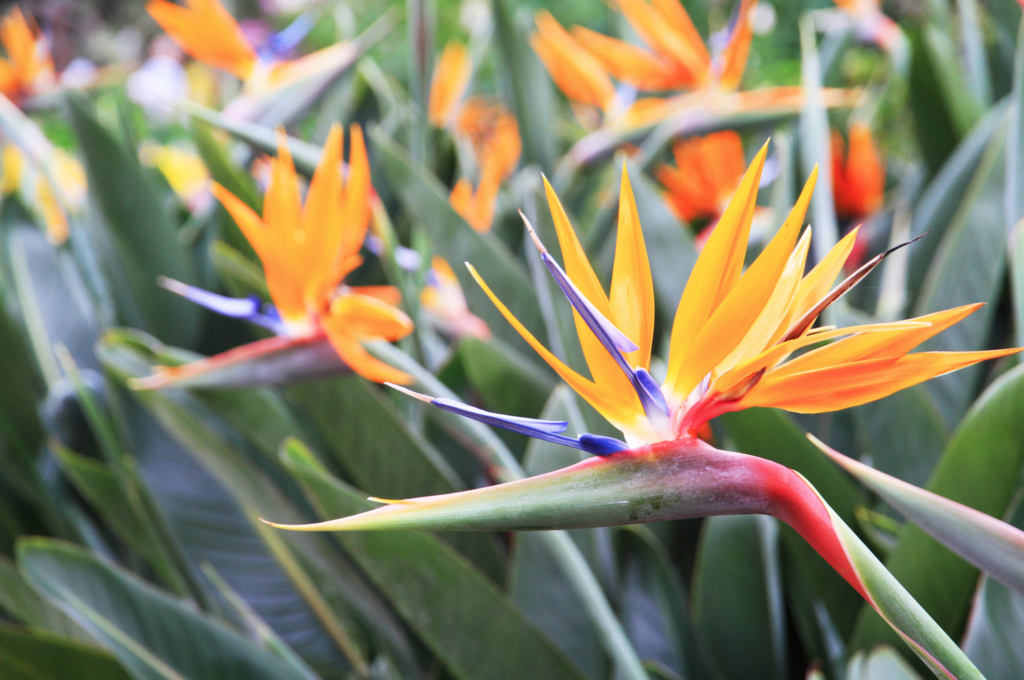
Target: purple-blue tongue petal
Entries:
(600, 445)
(650, 393)
(250, 308)
(527, 426)
(610, 336)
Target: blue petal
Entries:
(600, 445)
(250, 308)
(529, 426)
(284, 41)
(650, 392)
(610, 336)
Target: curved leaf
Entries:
(37, 655)
(457, 611)
(986, 542)
(151, 633)
(979, 468)
(144, 240)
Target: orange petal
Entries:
(248, 221)
(839, 387)
(207, 32)
(603, 368)
(621, 408)
(634, 65)
(731, 321)
(715, 274)
(451, 77)
(818, 282)
(773, 355)
(632, 291)
(894, 343)
(738, 49)
(575, 71)
(386, 294)
(355, 209)
(321, 223)
(652, 26)
(361, 361)
(366, 317)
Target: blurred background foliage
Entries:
(130, 544)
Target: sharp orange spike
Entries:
(716, 272)
(632, 290)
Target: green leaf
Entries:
(538, 583)
(152, 634)
(937, 132)
(671, 480)
(372, 443)
(22, 603)
(942, 582)
(330, 587)
(53, 303)
(241, 275)
(937, 207)
(991, 639)
(37, 655)
(654, 604)
(738, 609)
(954, 85)
(904, 434)
(456, 610)
(881, 663)
(506, 381)
(143, 237)
(969, 267)
(426, 203)
(100, 486)
(1014, 193)
(993, 546)
(233, 178)
(772, 434)
(526, 85)
(815, 147)
(381, 454)
(305, 155)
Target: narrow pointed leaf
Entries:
(941, 581)
(674, 480)
(991, 545)
(151, 633)
(143, 236)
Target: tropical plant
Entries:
(774, 432)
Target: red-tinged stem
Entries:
(677, 479)
(799, 506)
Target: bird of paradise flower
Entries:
(732, 347)
(307, 251)
(583, 64)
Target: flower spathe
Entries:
(307, 249)
(734, 330)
